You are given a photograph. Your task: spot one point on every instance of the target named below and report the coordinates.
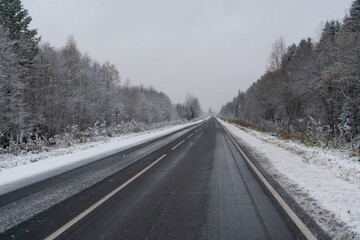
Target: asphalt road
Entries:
(196, 187)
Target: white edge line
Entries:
(303, 228)
(101, 201)
(178, 145)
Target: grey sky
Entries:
(209, 48)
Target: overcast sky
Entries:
(209, 48)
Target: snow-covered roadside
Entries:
(60, 159)
(325, 183)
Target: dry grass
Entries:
(286, 135)
(244, 124)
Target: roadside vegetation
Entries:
(311, 90)
(47, 93)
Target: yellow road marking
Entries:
(190, 135)
(303, 228)
(178, 145)
(101, 201)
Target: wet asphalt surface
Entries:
(202, 189)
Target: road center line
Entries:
(190, 135)
(178, 145)
(101, 201)
(303, 228)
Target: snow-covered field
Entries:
(18, 168)
(324, 182)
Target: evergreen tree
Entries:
(355, 10)
(290, 52)
(15, 18)
(331, 28)
(12, 113)
(352, 22)
(17, 67)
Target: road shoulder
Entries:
(314, 215)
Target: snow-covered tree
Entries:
(352, 21)
(192, 105)
(313, 85)
(16, 19)
(46, 90)
(277, 54)
(15, 58)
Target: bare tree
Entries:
(277, 54)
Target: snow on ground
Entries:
(23, 167)
(324, 182)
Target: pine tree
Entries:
(352, 22)
(14, 17)
(12, 112)
(331, 28)
(19, 48)
(355, 10)
(290, 52)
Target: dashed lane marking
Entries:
(178, 145)
(101, 201)
(190, 135)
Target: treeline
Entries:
(311, 90)
(190, 109)
(44, 90)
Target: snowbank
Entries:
(61, 160)
(324, 182)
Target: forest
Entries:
(45, 90)
(310, 90)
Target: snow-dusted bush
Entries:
(73, 135)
